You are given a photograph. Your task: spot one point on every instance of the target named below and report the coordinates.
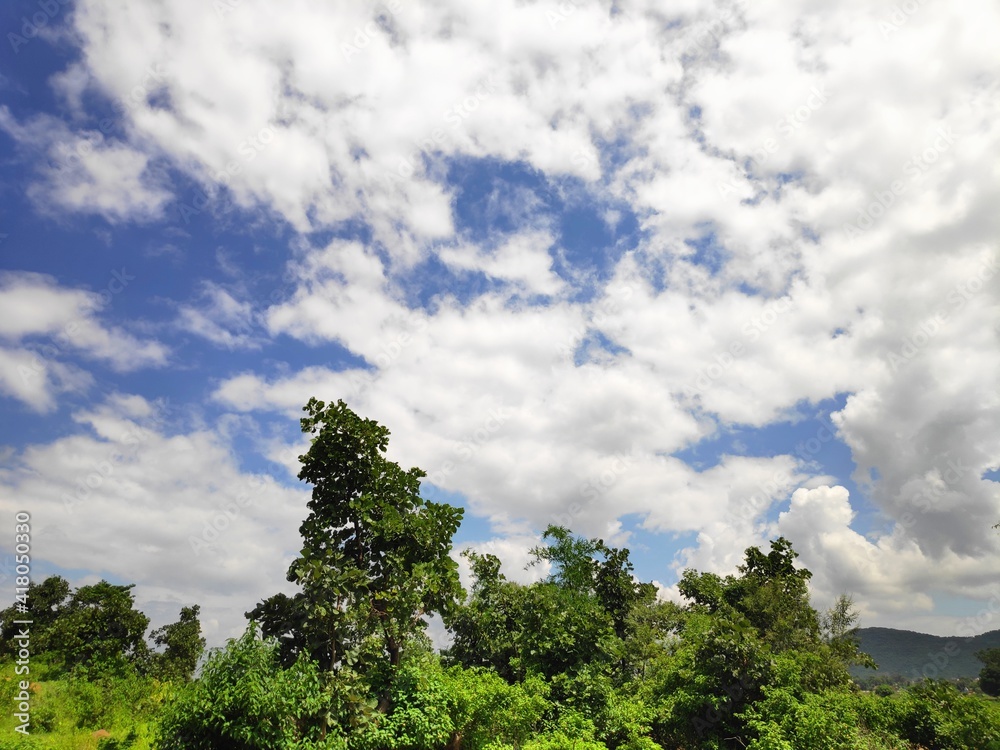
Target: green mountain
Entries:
(919, 655)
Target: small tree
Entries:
(183, 644)
(989, 675)
(99, 627)
(839, 629)
(245, 700)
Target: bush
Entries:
(626, 723)
(934, 714)
(245, 700)
(573, 731)
(489, 712)
(422, 713)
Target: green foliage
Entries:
(573, 731)
(582, 616)
(66, 712)
(770, 595)
(45, 600)
(716, 668)
(183, 644)
(813, 721)
(935, 715)
(489, 710)
(839, 630)
(245, 700)
(423, 711)
(485, 629)
(99, 627)
(989, 676)
(562, 629)
(375, 556)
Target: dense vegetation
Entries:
(587, 658)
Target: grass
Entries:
(75, 714)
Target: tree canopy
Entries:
(375, 558)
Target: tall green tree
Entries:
(375, 558)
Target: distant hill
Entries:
(917, 655)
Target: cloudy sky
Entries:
(684, 276)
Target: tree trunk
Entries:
(385, 702)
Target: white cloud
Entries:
(158, 508)
(221, 319)
(523, 260)
(85, 172)
(45, 323)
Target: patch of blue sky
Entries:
(494, 199)
(431, 279)
(708, 252)
(474, 528)
(807, 434)
(595, 346)
(786, 177)
(653, 553)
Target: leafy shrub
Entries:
(573, 731)
(934, 714)
(625, 723)
(489, 712)
(245, 700)
(422, 713)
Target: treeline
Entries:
(96, 630)
(588, 658)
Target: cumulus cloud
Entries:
(43, 323)
(131, 499)
(85, 172)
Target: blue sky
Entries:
(683, 279)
